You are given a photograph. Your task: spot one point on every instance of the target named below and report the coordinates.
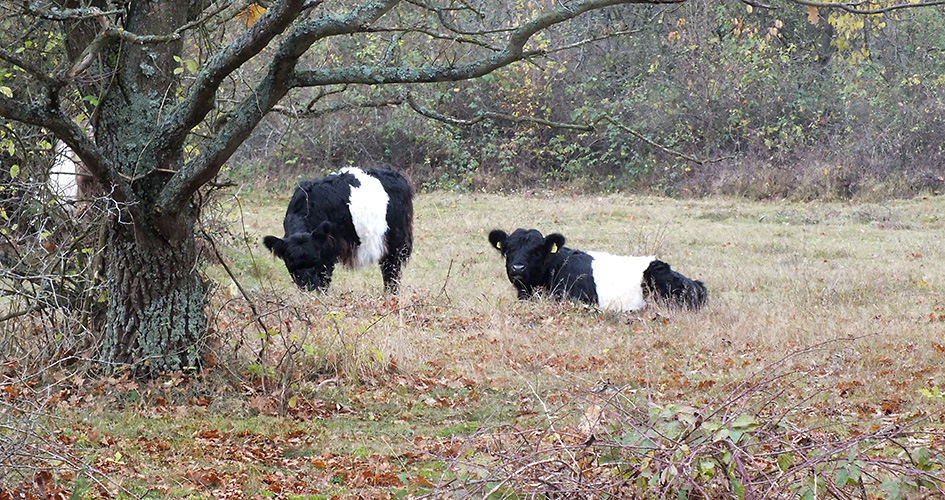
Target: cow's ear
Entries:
(554, 242)
(498, 237)
(275, 245)
(325, 228)
(325, 232)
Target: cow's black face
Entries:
(527, 254)
(309, 257)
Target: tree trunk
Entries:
(156, 299)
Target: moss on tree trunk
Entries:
(156, 300)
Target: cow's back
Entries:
(399, 210)
(619, 280)
(316, 201)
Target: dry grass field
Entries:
(781, 277)
(812, 372)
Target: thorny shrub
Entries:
(51, 306)
(750, 442)
(52, 310)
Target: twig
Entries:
(16, 314)
(659, 146)
(853, 7)
(252, 305)
(584, 127)
(446, 281)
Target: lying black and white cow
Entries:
(354, 216)
(542, 263)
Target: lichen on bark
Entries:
(156, 319)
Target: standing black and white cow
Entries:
(353, 216)
(536, 263)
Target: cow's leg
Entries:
(399, 248)
(390, 270)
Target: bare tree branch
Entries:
(595, 39)
(586, 127)
(489, 115)
(514, 51)
(311, 113)
(39, 74)
(272, 88)
(203, 91)
(857, 7)
(87, 57)
(59, 14)
(759, 5)
(16, 314)
(657, 145)
(69, 132)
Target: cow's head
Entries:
(527, 254)
(309, 256)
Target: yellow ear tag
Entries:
(554, 248)
(498, 244)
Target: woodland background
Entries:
(779, 103)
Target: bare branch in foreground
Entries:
(612, 443)
(856, 7)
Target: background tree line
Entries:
(790, 102)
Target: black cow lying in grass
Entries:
(534, 262)
(356, 217)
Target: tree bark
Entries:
(156, 299)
